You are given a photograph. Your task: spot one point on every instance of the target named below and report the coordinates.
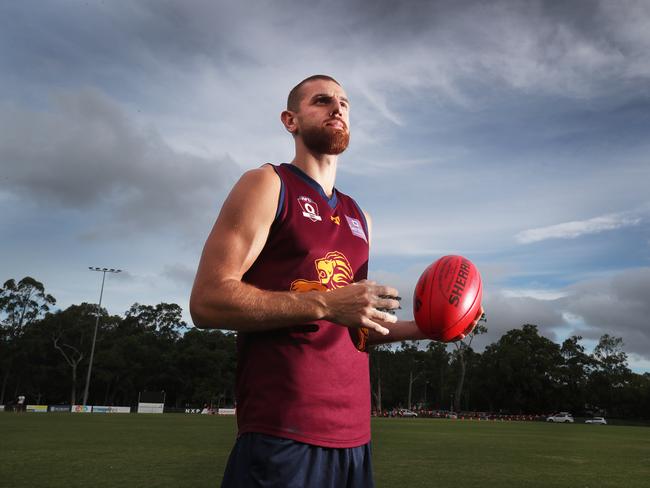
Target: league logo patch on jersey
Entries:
(309, 209)
(356, 228)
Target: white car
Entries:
(596, 420)
(404, 412)
(562, 417)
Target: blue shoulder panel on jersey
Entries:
(281, 198)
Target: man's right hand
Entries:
(357, 304)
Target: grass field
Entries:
(172, 451)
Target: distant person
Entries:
(285, 266)
(20, 403)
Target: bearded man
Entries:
(285, 266)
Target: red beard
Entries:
(326, 141)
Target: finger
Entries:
(394, 298)
(387, 310)
(392, 312)
(386, 291)
(384, 316)
(366, 322)
(387, 304)
(480, 315)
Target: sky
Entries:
(514, 133)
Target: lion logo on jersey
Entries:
(333, 270)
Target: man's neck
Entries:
(320, 167)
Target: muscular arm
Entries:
(221, 300)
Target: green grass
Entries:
(452, 453)
(92, 450)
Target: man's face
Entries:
(324, 119)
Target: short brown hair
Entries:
(295, 95)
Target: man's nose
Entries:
(336, 106)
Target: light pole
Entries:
(99, 306)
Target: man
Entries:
(285, 266)
(20, 404)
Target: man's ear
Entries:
(288, 118)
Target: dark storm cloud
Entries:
(571, 48)
(619, 306)
(505, 313)
(86, 154)
(167, 55)
(129, 49)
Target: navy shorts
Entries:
(260, 460)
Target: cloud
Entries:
(616, 305)
(196, 69)
(575, 229)
(505, 312)
(536, 47)
(537, 294)
(438, 50)
(179, 273)
(85, 153)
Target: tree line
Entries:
(44, 355)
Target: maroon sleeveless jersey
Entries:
(309, 382)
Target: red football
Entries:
(447, 298)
